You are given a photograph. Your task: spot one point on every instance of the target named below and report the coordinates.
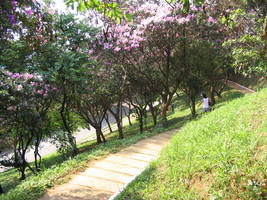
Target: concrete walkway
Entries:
(239, 87)
(108, 176)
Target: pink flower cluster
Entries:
(130, 36)
(33, 81)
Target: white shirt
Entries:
(205, 102)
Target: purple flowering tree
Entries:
(25, 101)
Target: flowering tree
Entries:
(149, 47)
(61, 59)
(25, 101)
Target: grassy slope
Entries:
(222, 155)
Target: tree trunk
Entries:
(23, 167)
(153, 113)
(107, 120)
(72, 142)
(22, 171)
(118, 121)
(212, 94)
(128, 114)
(37, 156)
(71, 139)
(193, 106)
(172, 107)
(118, 117)
(102, 136)
(164, 114)
(129, 120)
(219, 92)
(98, 135)
(1, 190)
(141, 123)
(166, 100)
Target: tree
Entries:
(25, 101)
(93, 100)
(61, 60)
(149, 54)
(140, 95)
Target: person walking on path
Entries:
(206, 106)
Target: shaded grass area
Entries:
(220, 155)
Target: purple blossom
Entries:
(182, 20)
(90, 51)
(33, 83)
(16, 75)
(8, 73)
(11, 19)
(125, 41)
(28, 11)
(106, 46)
(14, 3)
(51, 12)
(190, 16)
(211, 20)
(127, 48)
(19, 87)
(11, 108)
(27, 76)
(38, 15)
(117, 49)
(193, 8)
(39, 92)
(55, 89)
(170, 19)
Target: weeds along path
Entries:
(105, 178)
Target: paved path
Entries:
(106, 177)
(239, 87)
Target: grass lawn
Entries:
(220, 155)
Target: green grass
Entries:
(220, 155)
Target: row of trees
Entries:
(58, 73)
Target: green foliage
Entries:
(219, 155)
(246, 54)
(111, 10)
(186, 3)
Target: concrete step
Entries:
(106, 174)
(105, 165)
(76, 192)
(127, 161)
(97, 183)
